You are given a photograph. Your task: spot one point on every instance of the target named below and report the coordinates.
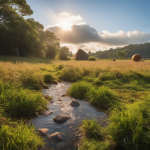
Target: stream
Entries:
(70, 128)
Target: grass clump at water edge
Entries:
(19, 138)
(21, 102)
(79, 89)
(129, 128)
(102, 96)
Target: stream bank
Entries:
(69, 129)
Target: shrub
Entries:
(92, 58)
(48, 78)
(19, 138)
(102, 96)
(79, 89)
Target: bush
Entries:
(102, 96)
(48, 78)
(79, 89)
(92, 58)
(19, 138)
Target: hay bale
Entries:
(114, 60)
(136, 57)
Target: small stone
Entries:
(74, 103)
(63, 95)
(43, 131)
(60, 99)
(55, 137)
(61, 118)
(71, 127)
(48, 113)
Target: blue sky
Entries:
(102, 15)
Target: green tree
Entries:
(111, 55)
(12, 8)
(121, 54)
(51, 52)
(63, 53)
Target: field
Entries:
(120, 87)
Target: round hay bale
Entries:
(114, 60)
(136, 57)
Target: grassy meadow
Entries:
(121, 88)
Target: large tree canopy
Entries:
(9, 8)
(23, 37)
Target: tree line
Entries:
(26, 37)
(124, 52)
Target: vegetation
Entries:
(20, 97)
(124, 52)
(21, 137)
(26, 37)
(121, 88)
(124, 84)
(92, 58)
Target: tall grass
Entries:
(79, 89)
(102, 96)
(130, 127)
(21, 102)
(92, 144)
(19, 138)
(70, 74)
(91, 129)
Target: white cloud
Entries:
(82, 35)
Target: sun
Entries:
(65, 25)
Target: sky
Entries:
(94, 25)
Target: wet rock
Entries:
(43, 131)
(60, 99)
(55, 137)
(48, 113)
(61, 118)
(71, 127)
(63, 95)
(74, 103)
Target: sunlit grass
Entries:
(19, 138)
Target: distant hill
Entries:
(142, 49)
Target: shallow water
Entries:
(69, 129)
